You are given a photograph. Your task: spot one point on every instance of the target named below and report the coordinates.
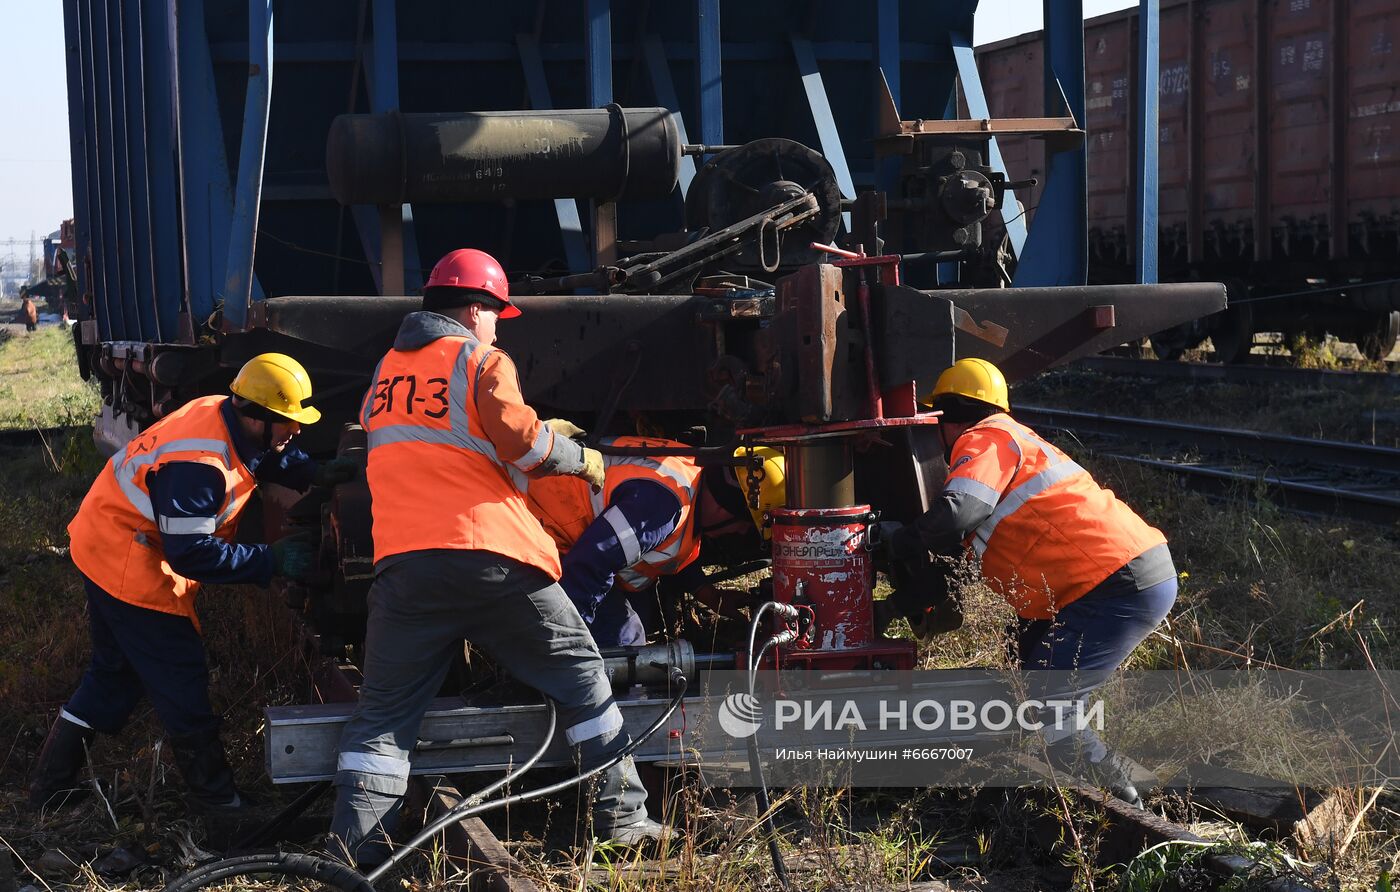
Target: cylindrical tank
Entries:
(601, 153)
(820, 560)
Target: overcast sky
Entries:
(35, 189)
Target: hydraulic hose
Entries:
(337, 875)
(457, 812)
(755, 764)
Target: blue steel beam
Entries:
(598, 57)
(243, 234)
(142, 242)
(665, 91)
(977, 107)
(74, 30)
(565, 209)
(126, 324)
(709, 65)
(158, 58)
(384, 97)
(366, 216)
(827, 133)
(341, 52)
(1149, 69)
(206, 199)
(888, 62)
(1057, 249)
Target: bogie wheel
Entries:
(1380, 341)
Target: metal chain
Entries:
(754, 476)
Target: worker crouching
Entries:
(157, 523)
(459, 555)
(1088, 578)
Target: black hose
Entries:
(469, 801)
(755, 764)
(307, 867)
(338, 876)
(459, 813)
(284, 817)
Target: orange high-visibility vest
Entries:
(1055, 533)
(116, 533)
(435, 478)
(567, 505)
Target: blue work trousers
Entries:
(1092, 637)
(137, 651)
(618, 619)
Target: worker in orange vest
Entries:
(458, 555)
(1088, 578)
(159, 521)
(29, 312)
(647, 522)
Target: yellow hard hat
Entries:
(772, 491)
(279, 384)
(975, 379)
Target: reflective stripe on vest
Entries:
(116, 534)
(459, 433)
(439, 482)
(126, 467)
(1058, 469)
(658, 559)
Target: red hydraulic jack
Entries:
(821, 546)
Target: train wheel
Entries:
(1380, 342)
(1233, 334)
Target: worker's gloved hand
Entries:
(564, 428)
(898, 541)
(341, 469)
(592, 469)
(294, 556)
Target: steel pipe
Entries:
(598, 153)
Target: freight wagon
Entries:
(1279, 160)
(725, 222)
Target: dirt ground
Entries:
(1256, 584)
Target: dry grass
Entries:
(1258, 586)
(1360, 413)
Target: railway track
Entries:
(1314, 476)
(1242, 374)
(485, 862)
(19, 438)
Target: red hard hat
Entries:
(477, 271)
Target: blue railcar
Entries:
(200, 140)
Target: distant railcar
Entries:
(1279, 145)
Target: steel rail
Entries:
(1239, 374)
(1261, 444)
(1375, 501)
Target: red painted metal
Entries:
(798, 433)
(1277, 134)
(820, 560)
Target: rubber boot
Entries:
(1112, 771)
(208, 779)
(620, 810)
(55, 781)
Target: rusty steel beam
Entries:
(471, 846)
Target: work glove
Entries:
(294, 556)
(564, 428)
(336, 471)
(592, 470)
(896, 541)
